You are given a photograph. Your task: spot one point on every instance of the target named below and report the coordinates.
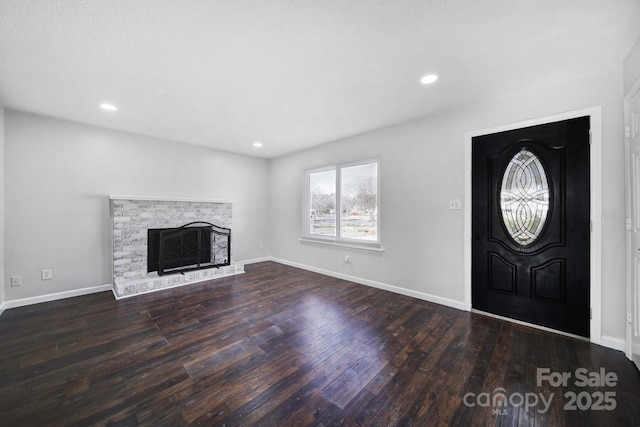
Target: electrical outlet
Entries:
(16, 281)
(260, 246)
(47, 274)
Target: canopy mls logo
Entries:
(499, 400)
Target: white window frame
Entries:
(338, 240)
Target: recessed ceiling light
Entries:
(257, 144)
(108, 107)
(428, 79)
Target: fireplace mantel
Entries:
(168, 199)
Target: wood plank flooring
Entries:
(279, 346)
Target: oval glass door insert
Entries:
(524, 198)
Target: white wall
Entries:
(422, 167)
(632, 67)
(2, 297)
(58, 178)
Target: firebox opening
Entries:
(193, 246)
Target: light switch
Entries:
(455, 204)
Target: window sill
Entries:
(373, 247)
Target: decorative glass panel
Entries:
(524, 198)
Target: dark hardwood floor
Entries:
(280, 346)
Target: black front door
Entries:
(531, 225)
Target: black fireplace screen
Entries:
(193, 246)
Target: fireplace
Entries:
(193, 246)
(134, 217)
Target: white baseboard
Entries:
(53, 297)
(372, 283)
(613, 343)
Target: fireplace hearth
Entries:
(193, 246)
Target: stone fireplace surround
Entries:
(133, 216)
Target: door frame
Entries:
(628, 241)
(595, 172)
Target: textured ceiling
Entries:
(291, 73)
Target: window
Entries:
(342, 203)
